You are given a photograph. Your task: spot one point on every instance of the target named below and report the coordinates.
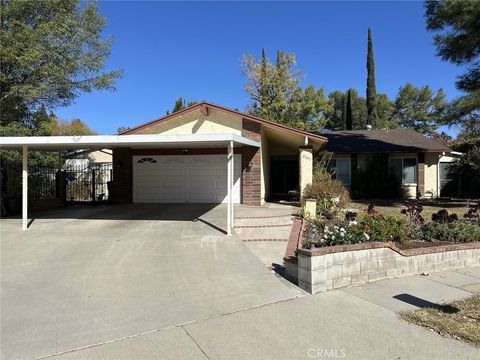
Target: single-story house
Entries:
(203, 154)
(419, 162)
(88, 157)
(187, 174)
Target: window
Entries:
(146, 160)
(405, 169)
(340, 168)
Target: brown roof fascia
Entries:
(203, 107)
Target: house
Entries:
(187, 173)
(88, 157)
(420, 163)
(88, 172)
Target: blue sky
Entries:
(193, 49)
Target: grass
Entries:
(392, 208)
(458, 320)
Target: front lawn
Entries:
(430, 207)
(459, 319)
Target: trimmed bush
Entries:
(383, 229)
(376, 181)
(456, 231)
(324, 187)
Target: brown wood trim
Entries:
(185, 151)
(207, 105)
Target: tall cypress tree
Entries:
(262, 83)
(349, 111)
(371, 88)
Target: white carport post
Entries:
(25, 188)
(230, 167)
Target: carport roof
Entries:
(115, 141)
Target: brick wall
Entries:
(421, 175)
(251, 178)
(122, 176)
(353, 171)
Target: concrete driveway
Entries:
(83, 276)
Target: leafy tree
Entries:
(349, 111)
(456, 27)
(307, 109)
(443, 137)
(371, 88)
(51, 52)
(335, 117)
(275, 94)
(419, 108)
(270, 86)
(467, 167)
(385, 110)
(359, 110)
(45, 125)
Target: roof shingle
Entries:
(374, 141)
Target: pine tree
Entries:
(344, 110)
(371, 90)
(263, 88)
(349, 111)
(179, 105)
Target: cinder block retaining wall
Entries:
(338, 266)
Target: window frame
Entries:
(402, 158)
(335, 174)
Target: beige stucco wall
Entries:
(197, 123)
(100, 156)
(305, 162)
(431, 173)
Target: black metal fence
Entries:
(49, 185)
(42, 181)
(88, 183)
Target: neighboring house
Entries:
(419, 161)
(197, 174)
(88, 157)
(79, 166)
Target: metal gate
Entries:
(88, 184)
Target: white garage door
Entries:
(183, 179)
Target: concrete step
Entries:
(264, 233)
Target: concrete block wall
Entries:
(339, 269)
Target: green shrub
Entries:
(383, 229)
(457, 231)
(324, 187)
(376, 181)
(327, 208)
(320, 234)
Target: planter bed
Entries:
(331, 267)
(338, 266)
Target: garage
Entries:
(183, 179)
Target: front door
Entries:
(283, 176)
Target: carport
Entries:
(57, 143)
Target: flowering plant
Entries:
(342, 233)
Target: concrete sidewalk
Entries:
(354, 323)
